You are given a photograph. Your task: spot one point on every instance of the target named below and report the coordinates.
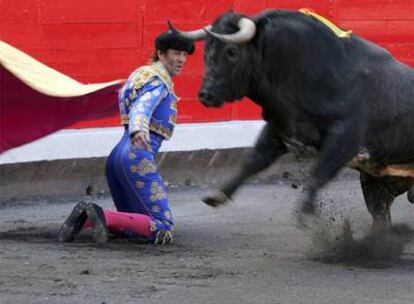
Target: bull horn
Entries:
(199, 34)
(246, 33)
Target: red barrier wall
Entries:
(102, 40)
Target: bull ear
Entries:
(199, 34)
(247, 30)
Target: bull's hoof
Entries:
(386, 243)
(307, 216)
(379, 228)
(410, 195)
(216, 198)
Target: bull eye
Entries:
(231, 52)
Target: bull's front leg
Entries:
(267, 149)
(340, 146)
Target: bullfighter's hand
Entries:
(216, 198)
(142, 139)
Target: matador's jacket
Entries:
(147, 103)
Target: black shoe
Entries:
(73, 224)
(96, 215)
(410, 194)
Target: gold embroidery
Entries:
(146, 166)
(146, 96)
(156, 93)
(160, 129)
(153, 226)
(124, 119)
(157, 192)
(167, 214)
(172, 119)
(141, 107)
(145, 73)
(132, 95)
(140, 119)
(155, 208)
(140, 184)
(173, 105)
(133, 169)
(132, 155)
(139, 123)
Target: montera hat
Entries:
(170, 40)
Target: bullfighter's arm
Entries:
(142, 107)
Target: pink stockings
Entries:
(118, 222)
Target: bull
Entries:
(319, 87)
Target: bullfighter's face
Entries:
(173, 60)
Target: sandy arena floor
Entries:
(247, 252)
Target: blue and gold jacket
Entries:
(147, 101)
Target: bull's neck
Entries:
(259, 90)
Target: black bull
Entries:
(344, 96)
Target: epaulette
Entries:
(145, 73)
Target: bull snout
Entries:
(208, 99)
(205, 97)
